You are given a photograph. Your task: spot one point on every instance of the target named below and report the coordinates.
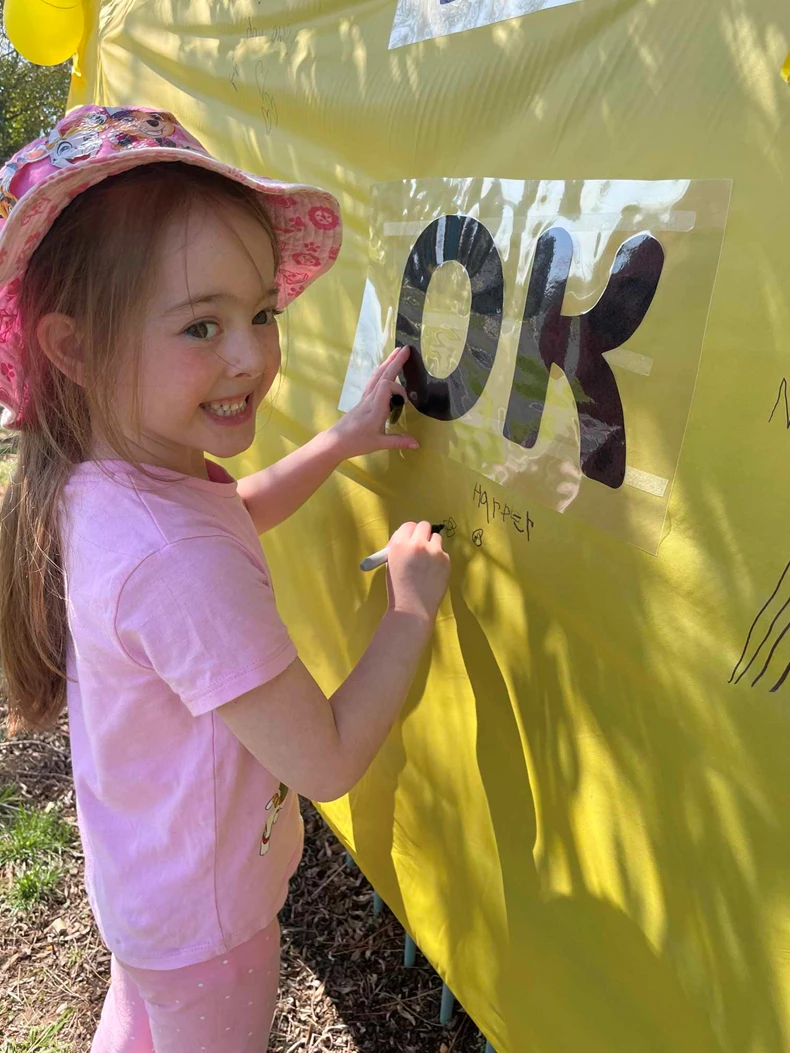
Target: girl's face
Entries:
(210, 348)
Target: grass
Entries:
(39, 1039)
(28, 834)
(35, 884)
(10, 798)
(32, 842)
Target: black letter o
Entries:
(467, 241)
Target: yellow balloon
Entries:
(45, 32)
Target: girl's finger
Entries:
(395, 362)
(380, 401)
(400, 352)
(422, 532)
(404, 532)
(379, 371)
(436, 543)
(398, 442)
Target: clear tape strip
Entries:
(368, 347)
(630, 360)
(456, 325)
(650, 484)
(683, 222)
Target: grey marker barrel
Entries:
(378, 559)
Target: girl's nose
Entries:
(244, 356)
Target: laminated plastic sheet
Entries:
(557, 330)
(583, 812)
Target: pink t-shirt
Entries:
(171, 614)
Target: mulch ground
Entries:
(344, 988)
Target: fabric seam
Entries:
(220, 927)
(145, 505)
(269, 660)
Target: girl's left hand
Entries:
(363, 429)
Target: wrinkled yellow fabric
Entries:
(583, 814)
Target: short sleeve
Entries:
(200, 613)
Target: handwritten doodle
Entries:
(494, 509)
(780, 396)
(477, 537)
(766, 653)
(279, 34)
(285, 35)
(268, 102)
(449, 527)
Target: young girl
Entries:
(141, 279)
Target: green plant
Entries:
(34, 884)
(32, 833)
(32, 840)
(39, 1039)
(10, 799)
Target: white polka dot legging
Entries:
(224, 1005)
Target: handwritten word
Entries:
(495, 508)
(285, 35)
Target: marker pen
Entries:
(378, 559)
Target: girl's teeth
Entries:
(226, 409)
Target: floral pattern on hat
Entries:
(92, 143)
(324, 218)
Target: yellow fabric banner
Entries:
(581, 216)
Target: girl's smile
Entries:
(210, 349)
(230, 411)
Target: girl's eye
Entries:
(266, 317)
(202, 330)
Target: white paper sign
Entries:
(425, 19)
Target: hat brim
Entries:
(306, 219)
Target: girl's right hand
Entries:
(418, 570)
(322, 747)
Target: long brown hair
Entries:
(96, 265)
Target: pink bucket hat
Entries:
(94, 142)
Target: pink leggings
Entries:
(224, 1005)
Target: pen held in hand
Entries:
(378, 559)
